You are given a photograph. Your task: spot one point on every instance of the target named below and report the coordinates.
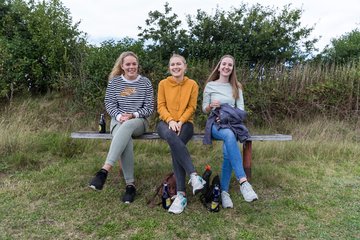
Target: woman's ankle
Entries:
(242, 180)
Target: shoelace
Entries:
(246, 186)
(194, 179)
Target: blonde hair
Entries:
(178, 56)
(117, 70)
(235, 84)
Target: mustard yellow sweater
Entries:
(177, 101)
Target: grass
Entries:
(308, 188)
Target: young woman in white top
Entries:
(223, 87)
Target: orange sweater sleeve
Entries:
(191, 107)
(164, 114)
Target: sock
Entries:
(243, 182)
(181, 192)
(130, 184)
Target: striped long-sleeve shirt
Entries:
(129, 96)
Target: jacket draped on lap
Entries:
(230, 117)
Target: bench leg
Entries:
(247, 149)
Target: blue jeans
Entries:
(181, 160)
(231, 154)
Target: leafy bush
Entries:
(39, 46)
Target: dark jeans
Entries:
(182, 163)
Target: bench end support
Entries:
(247, 154)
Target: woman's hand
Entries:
(125, 116)
(175, 126)
(215, 104)
(179, 125)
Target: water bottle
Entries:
(206, 176)
(207, 173)
(215, 204)
(166, 200)
(102, 124)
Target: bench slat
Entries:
(197, 136)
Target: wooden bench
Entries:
(247, 146)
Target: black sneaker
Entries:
(129, 195)
(97, 183)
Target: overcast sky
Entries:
(115, 19)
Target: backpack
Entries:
(170, 180)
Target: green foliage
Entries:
(252, 34)
(97, 63)
(277, 92)
(39, 46)
(344, 49)
(163, 33)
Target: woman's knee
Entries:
(224, 134)
(229, 135)
(134, 127)
(163, 130)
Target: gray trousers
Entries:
(182, 163)
(121, 147)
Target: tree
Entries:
(254, 34)
(40, 43)
(344, 49)
(164, 35)
(12, 29)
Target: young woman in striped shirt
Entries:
(129, 100)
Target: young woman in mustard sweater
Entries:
(176, 105)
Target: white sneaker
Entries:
(178, 205)
(248, 192)
(226, 200)
(197, 183)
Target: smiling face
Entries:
(226, 67)
(177, 67)
(130, 67)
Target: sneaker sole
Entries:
(252, 200)
(94, 188)
(175, 212)
(230, 206)
(127, 201)
(197, 191)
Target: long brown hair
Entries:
(235, 84)
(117, 70)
